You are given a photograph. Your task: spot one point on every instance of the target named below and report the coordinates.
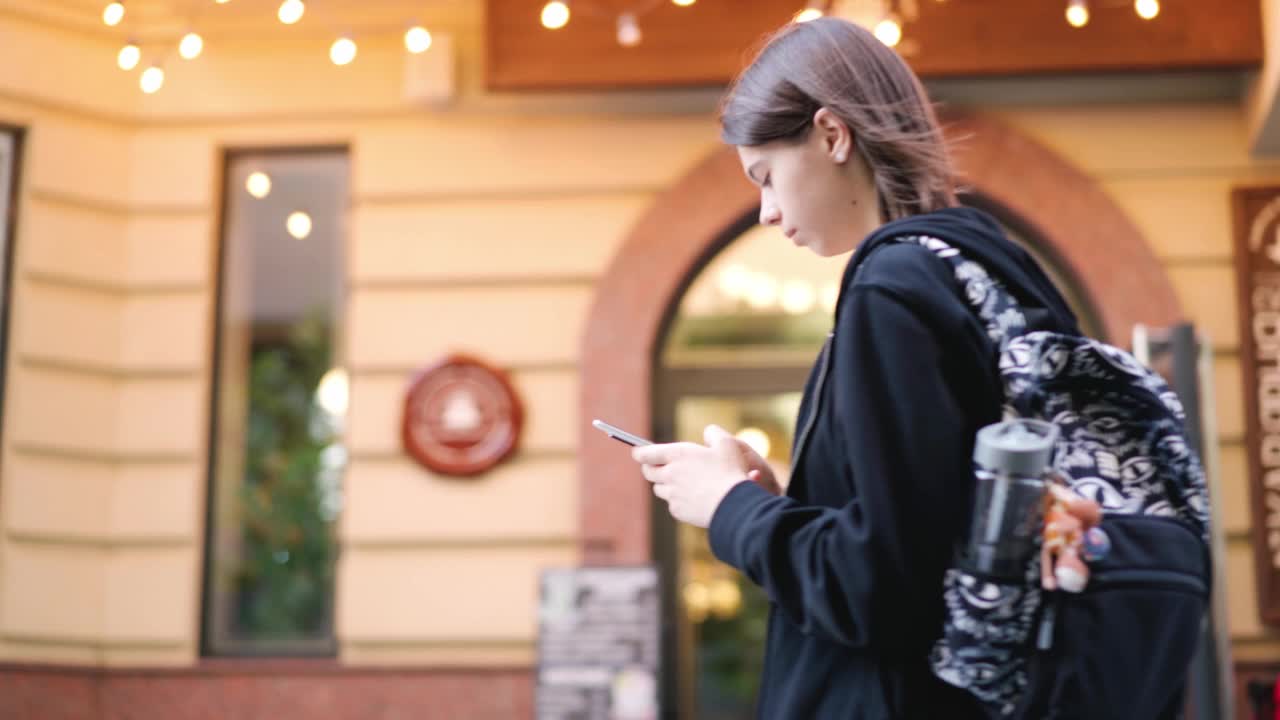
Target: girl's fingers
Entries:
(650, 472)
(663, 454)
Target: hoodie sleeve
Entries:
(870, 572)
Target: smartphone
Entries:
(619, 434)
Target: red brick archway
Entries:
(1086, 232)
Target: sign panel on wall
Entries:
(598, 649)
(1257, 253)
(461, 417)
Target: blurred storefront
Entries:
(217, 296)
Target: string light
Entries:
(1077, 13)
(889, 31)
(757, 439)
(629, 34)
(299, 225)
(333, 393)
(152, 80)
(697, 600)
(129, 56)
(555, 15)
(258, 184)
(417, 40)
(113, 14)
(798, 297)
(191, 46)
(724, 598)
(291, 11)
(343, 51)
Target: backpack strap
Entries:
(994, 305)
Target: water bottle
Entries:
(1012, 465)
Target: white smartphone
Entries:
(619, 434)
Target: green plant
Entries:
(284, 582)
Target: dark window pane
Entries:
(10, 156)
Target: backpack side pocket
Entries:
(1122, 648)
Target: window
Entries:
(279, 404)
(10, 158)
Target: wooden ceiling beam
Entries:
(706, 43)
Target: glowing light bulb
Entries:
(555, 15)
(763, 292)
(798, 297)
(756, 439)
(343, 51)
(628, 30)
(1077, 13)
(291, 11)
(333, 392)
(734, 281)
(808, 14)
(724, 598)
(191, 46)
(128, 57)
(417, 40)
(889, 31)
(113, 14)
(258, 184)
(1147, 9)
(152, 80)
(697, 600)
(299, 225)
(684, 3)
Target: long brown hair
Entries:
(838, 65)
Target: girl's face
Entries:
(818, 190)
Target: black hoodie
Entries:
(852, 557)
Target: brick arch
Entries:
(1078, 224)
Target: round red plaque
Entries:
(461, 417)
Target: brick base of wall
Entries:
(254, 690)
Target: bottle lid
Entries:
(1018, 447)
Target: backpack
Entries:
(1122, 648)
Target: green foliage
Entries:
(284, 583)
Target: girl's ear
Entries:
(837, 139)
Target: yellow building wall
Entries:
(480, 226)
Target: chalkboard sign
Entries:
(598, 647)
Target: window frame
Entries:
(213, 644)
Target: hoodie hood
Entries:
(979, 238)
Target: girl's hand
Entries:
(694, 478)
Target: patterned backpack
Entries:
(1122, 648)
